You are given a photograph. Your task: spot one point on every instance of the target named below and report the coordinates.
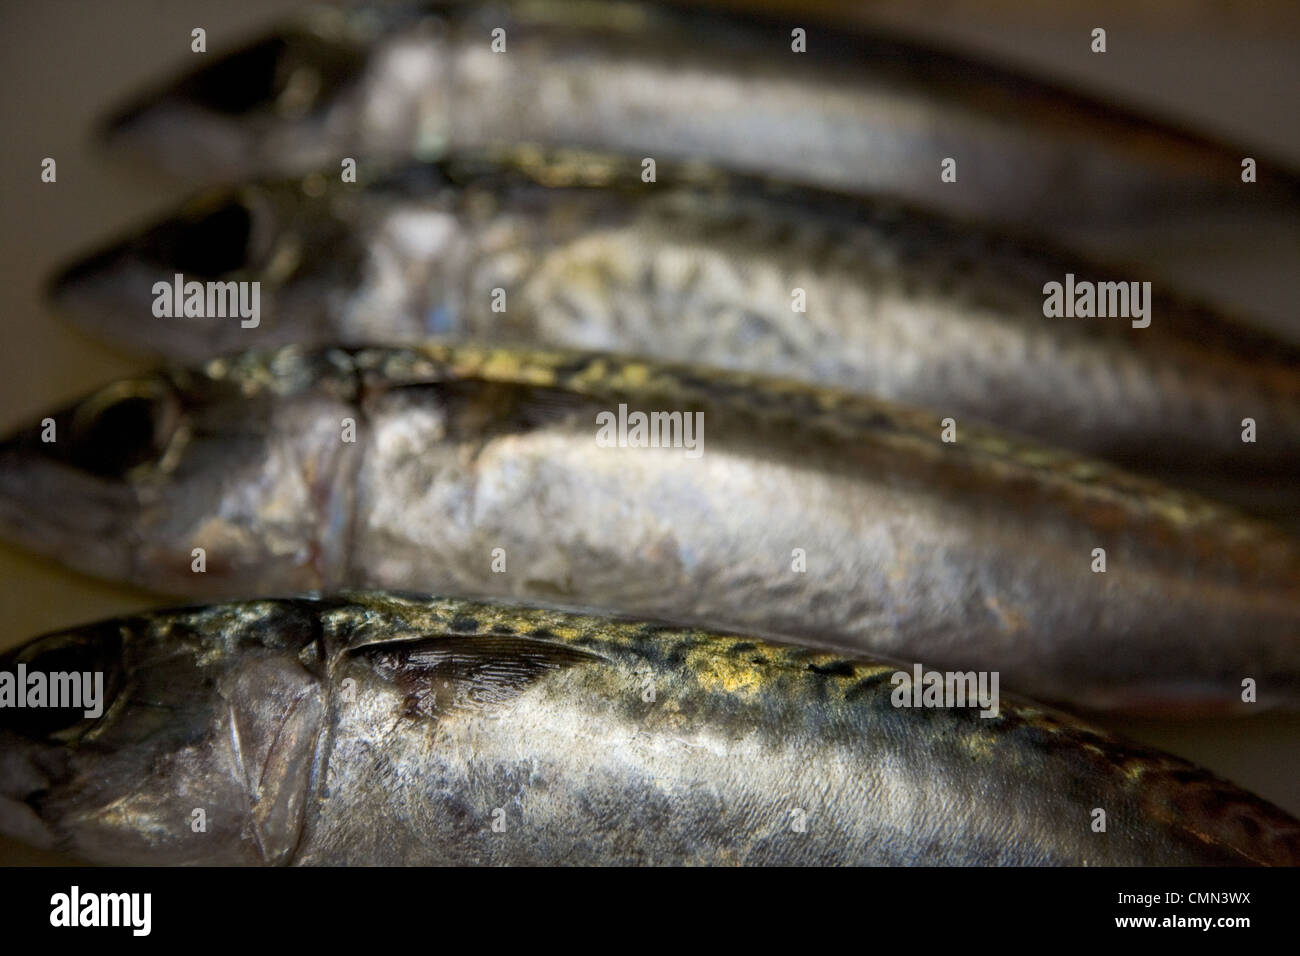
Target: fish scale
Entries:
(518, 735)
(899, 305)
(977, 554)
(374, 728)
(423, 82)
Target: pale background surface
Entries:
(63, 63)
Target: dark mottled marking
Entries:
(880, 421)
(867, 685)
(834, 669)
(572, 367)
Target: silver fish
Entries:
(787, 511)
(856, 112)
(896, 304)
(376, 729)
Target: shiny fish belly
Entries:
(376, 729)
(809, 514)
(896, 304)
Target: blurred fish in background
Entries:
(861, 112)
(899, 304)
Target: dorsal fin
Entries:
(438, 675)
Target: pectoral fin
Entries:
(468, 672)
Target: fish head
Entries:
(199, 747)
(224, 480)
(282, 102)
(263, 265)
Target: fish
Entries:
(721, 271)
(858, 112)
(760, 505)
(382, 729)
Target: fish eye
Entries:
(241, 82)
(213, 243)
(57, 679)
(121, 427)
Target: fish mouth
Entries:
(220, 122)
(183, 140)
(37, 738)
(89, 271)
(23, 788)
(87, 292)
(198, 124)
(111, 292)
(59, 512)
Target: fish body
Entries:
(374, 729)
(575, 252)
(809, 514)
(857, 112)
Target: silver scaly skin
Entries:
(858, 112)
(370, 728)
(899, 305)
(477, 472)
